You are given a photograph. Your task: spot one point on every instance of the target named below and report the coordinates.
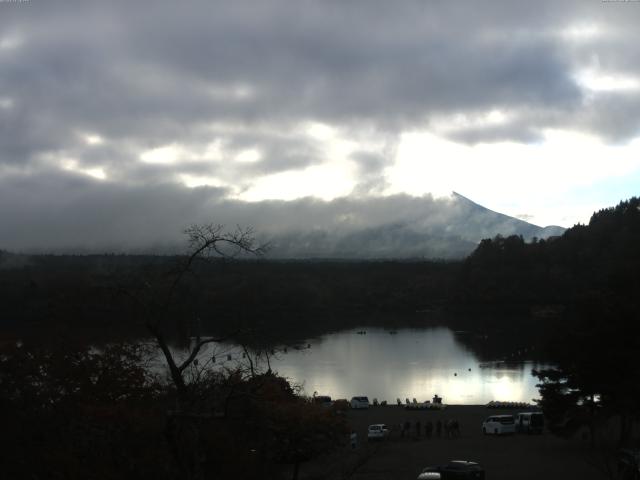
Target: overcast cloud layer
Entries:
(124, 106)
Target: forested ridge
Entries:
(503, 275)
(601, 256)
(85, 292)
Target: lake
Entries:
(407, 363)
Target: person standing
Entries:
(456, 428)
(428, 429)
(448, 430)
(354, 440)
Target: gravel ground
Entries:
(508, 457)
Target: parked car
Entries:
(323, 400)
(430, 476)
(499, 425)
(455, 469)
(359, 402)
(340, 406)
(530, 422)
(378, 431)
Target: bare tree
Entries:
(156, 301)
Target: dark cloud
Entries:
(250, 75)
(65, 211)
(370, 173)
(152, 71)
(621, 121)
(68, 212)
(496, 133)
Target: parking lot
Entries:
(506, 457)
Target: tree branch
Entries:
(196, 349)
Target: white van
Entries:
(530, 422)
(499, 424)
(360, 402)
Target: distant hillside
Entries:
(422, 228)
(388, 227)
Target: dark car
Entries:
(323, 400)
(530, 422)
(453, 470)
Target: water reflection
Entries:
(411, 363)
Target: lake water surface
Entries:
(405, 364)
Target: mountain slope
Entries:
(406, 228)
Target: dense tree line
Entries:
(69, 411)
(84, 293)
(590, 275)
(602, 255)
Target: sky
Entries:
(119, 115)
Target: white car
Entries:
(430, 476)
(499, 424)
(378, 431)
(360, 402)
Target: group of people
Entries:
(448, 428)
